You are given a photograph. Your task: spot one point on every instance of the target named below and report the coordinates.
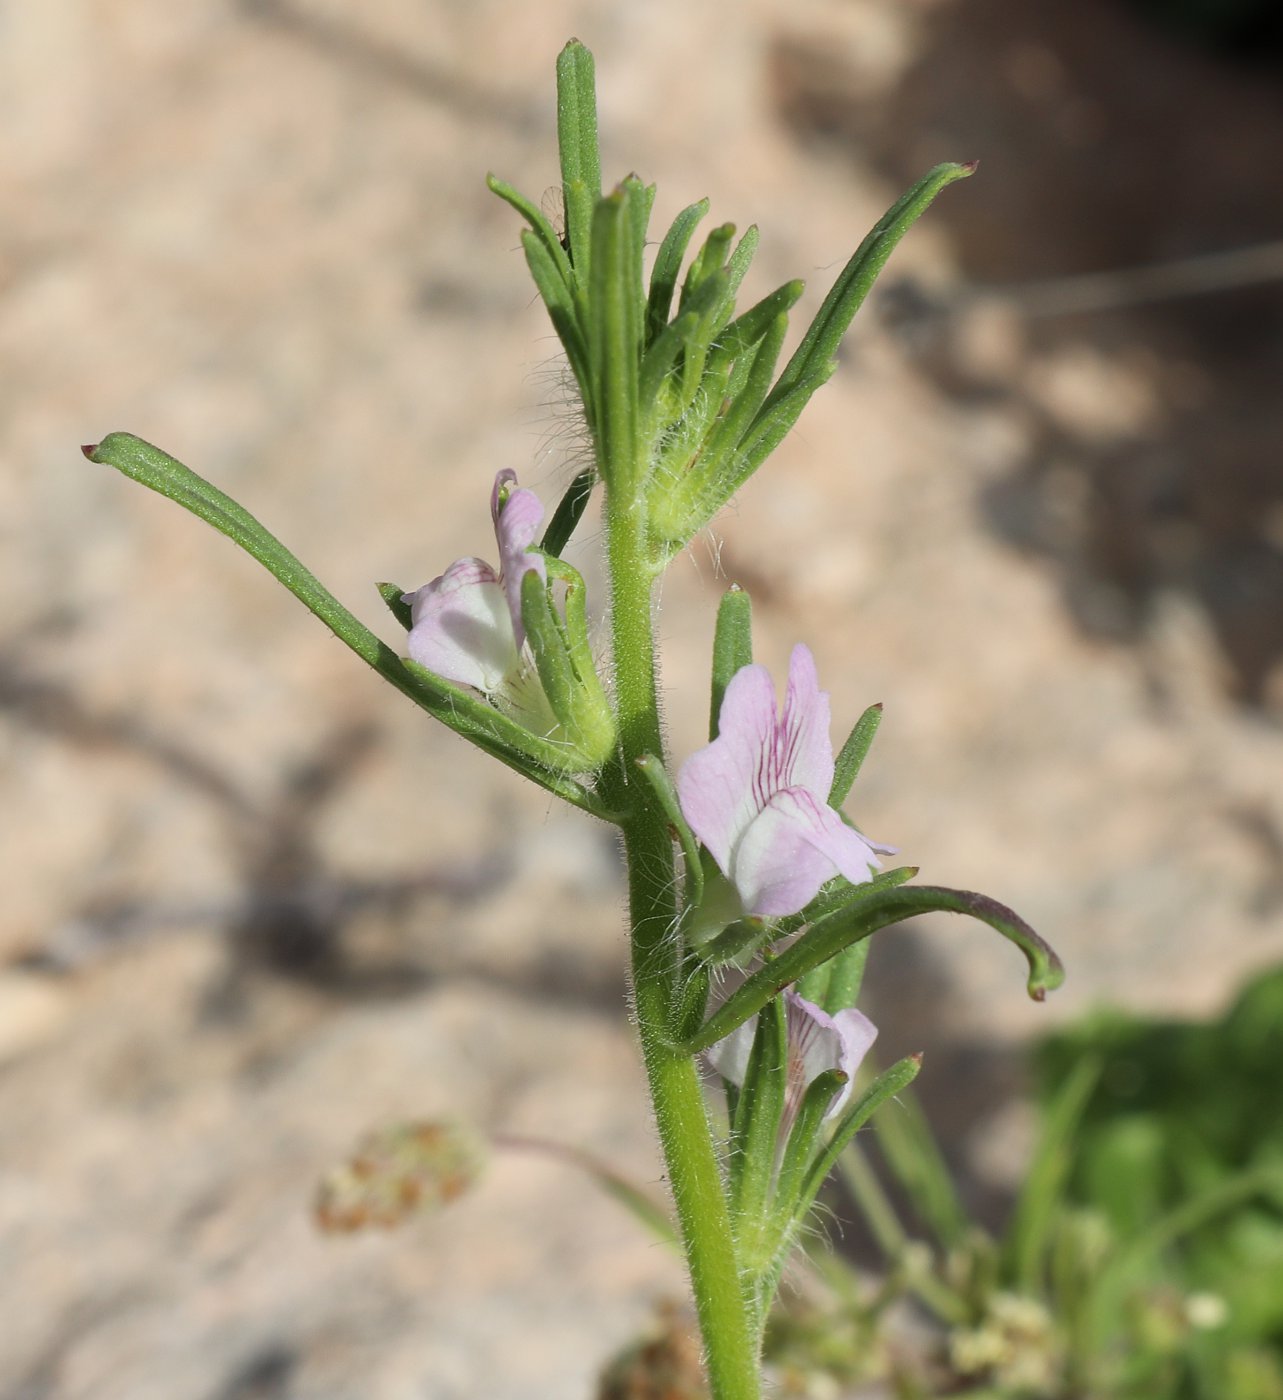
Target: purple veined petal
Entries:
(721, 787)
(858, 1034)
(517, 515)
(461, 627)
(793, 846)
(803, 738)
(818, 1042)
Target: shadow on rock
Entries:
(1142, 398)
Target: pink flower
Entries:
(466, 624)
(817, 1042)
(757, 796)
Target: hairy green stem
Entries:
(685, 1133)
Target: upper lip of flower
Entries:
(757, 796)
(817, 1042)
(466, 623)
(517, 515)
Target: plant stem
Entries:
(684, 1130)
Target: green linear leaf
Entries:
(661, 785)
(884, 1087)
(580, 157)
(614, 334)
(539, 225)
(569, 512)
(749, 327)
(821, 341)
(732, 647)
(860, 919)
(562, 312)
(680, 337)
(392, 594)
(853, 753)
(757, 1118)
(841, 894)
(737, 263)
(668, 266)
(727, 433)
(710, 260)
(801, 1145)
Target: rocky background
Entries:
(256, 905)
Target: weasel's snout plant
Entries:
(751, 894)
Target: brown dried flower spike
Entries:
(397, 1173)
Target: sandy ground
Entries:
(255, 904)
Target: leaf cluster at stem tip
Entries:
(682, 392)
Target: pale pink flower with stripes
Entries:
(757, 796)
(816, 1041)
(466, 625)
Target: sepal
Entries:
(563, 658)
(732, 647)
(758, 1112)
(661, 786)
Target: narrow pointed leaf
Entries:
(738, 262)
(842, 894)
(846, 977)
(393, 594)
(757, 1121)
(747, 329)
(821, 341)
(884, 1087)
(668, 267)
(640, 199)
(547, 639)
(835, 985)
(687, 336)
(853, 753)
(561, 312)
(859, 920)
(539, 226)
(575, 629)
(801, 1147)
(615, 342)
(569, 512)
(732, 646)
(661, 785)
(725, 437)
(710, 259)
(580, 158)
